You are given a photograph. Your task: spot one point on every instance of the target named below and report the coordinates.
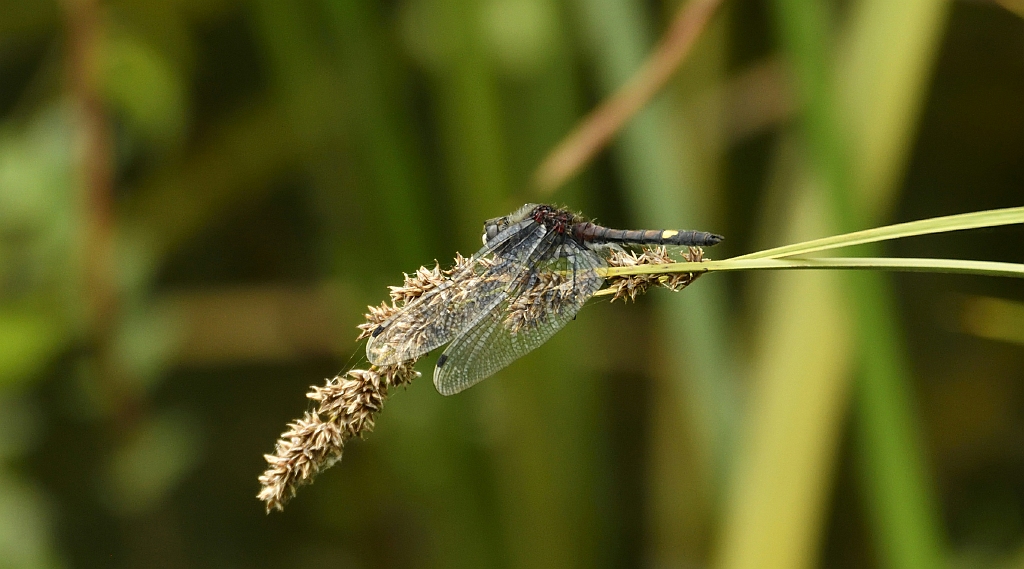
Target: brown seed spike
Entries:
(346, 406)
(631, 286)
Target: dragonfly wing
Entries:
(543, 303)
(446, 311)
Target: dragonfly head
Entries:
(492, 227)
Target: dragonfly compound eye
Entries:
(490, 231)
(492, 227)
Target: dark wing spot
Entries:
(376, 331)
(441, 360)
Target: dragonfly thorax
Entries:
(552, 218)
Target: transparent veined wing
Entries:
(544, 301)
(446, 311)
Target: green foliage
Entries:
(198, 199)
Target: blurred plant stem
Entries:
(467, 112)
(124, 405)
(379, 114)
(600, 126)
(855, 135)
(992, 318)
(386, 173)
(93, 148)
(551, 458)
(535, 425)
(661, 188)
(230, 165)
(1015, 6)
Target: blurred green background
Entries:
(199, 198)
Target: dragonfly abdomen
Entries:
(592, 233)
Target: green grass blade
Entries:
(660, 181)
(959, 222)
(855, 145)
(952, 266)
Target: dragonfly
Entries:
(538, 266)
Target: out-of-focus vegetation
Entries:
(197, 199)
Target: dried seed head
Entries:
(422, 281)
(309, 446)
(375, 316)
(548, 293)
(399, 375)
(460, 263)
(346, 405)
(345, 408)
(414, 286)
(631, 286)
